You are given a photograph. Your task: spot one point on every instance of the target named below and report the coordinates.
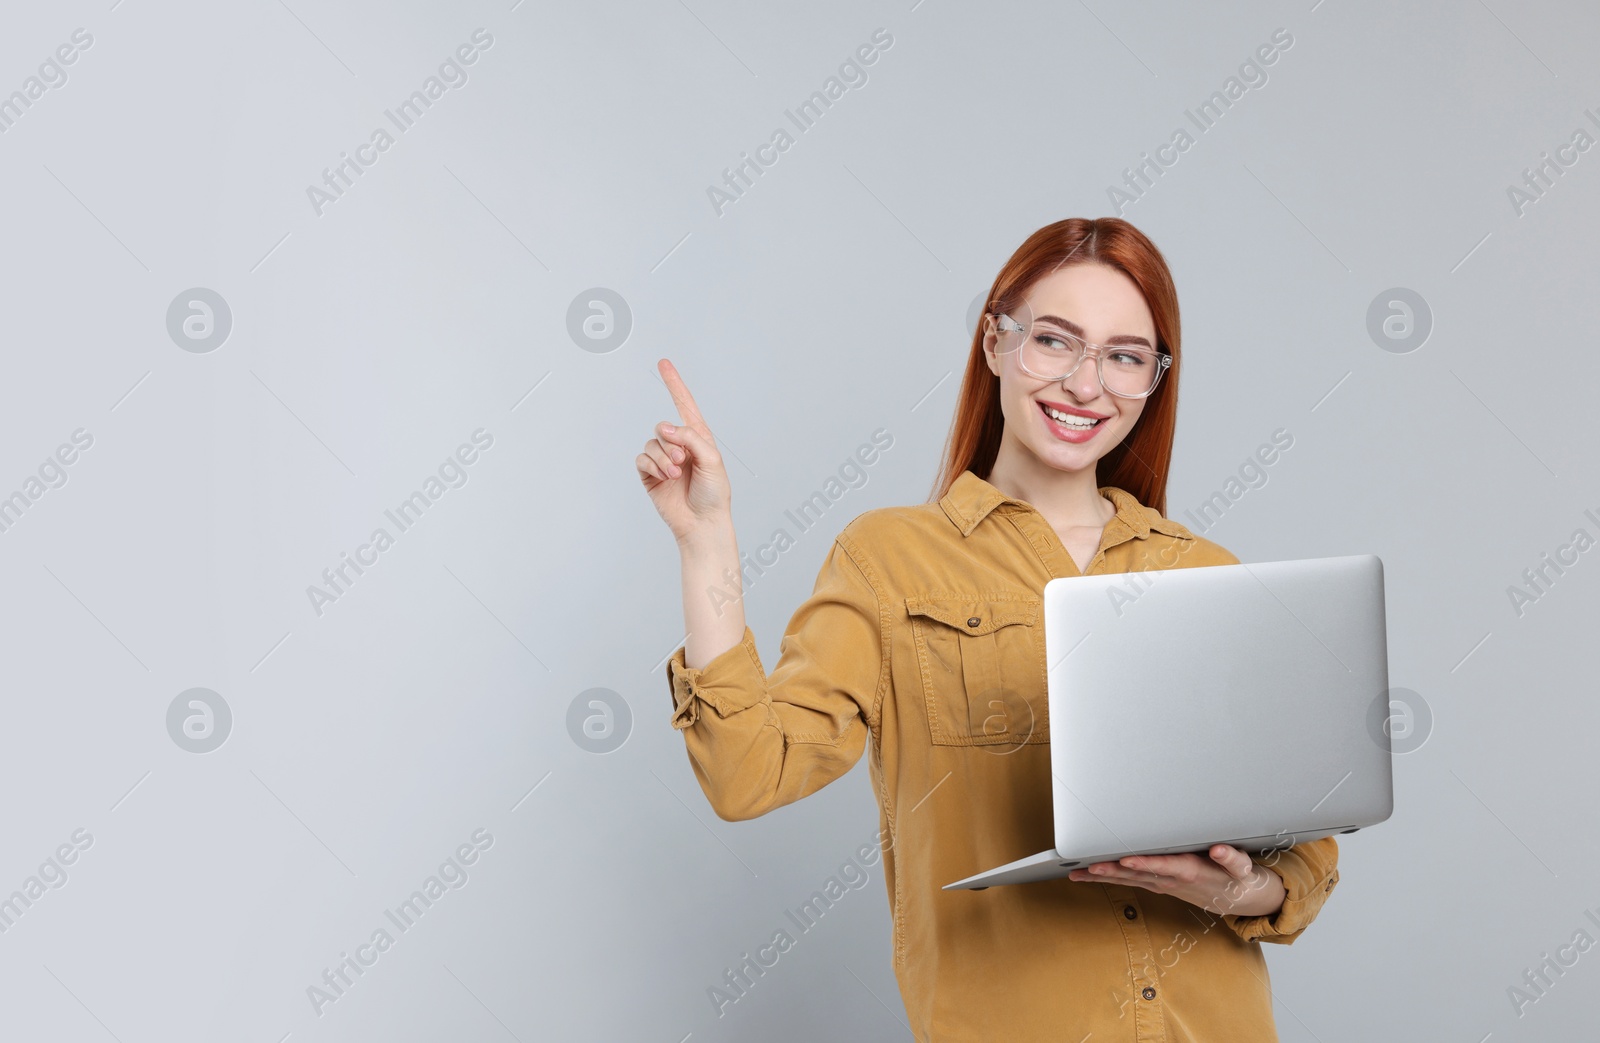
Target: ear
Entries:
(990, 342)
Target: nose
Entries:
(1084, 382)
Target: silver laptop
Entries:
(1236, 704)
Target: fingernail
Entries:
(668, 428)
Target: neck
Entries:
(1065, 498)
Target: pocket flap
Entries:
(976, 613)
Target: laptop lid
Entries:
(1260, 685)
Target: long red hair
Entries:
(1139, 463)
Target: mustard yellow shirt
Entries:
(922, 644)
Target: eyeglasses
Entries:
(1051, 353)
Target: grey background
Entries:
(432, 699)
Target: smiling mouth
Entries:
(1071, 421)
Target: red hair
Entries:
(1139, 463)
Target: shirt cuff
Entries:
(734, 680)
(1303, 898)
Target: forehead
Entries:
(1097, 297)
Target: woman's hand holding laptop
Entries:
(1226, 882)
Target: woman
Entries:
(923, 643)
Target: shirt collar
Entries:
(971, 498)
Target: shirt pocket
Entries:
(981, 657)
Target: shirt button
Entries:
(1130, 912)
(1148, 993)
(974, 621)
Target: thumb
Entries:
(699, 446)
(1235, 861)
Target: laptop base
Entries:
(1049, 865)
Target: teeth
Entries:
(1081, 423)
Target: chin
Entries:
(1069, 458)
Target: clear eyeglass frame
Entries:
(1163, 360)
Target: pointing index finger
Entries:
(681, 396)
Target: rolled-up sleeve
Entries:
(1309, 872)
(758, 742)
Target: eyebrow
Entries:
(1076, 330)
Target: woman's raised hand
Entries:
(682, 470)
